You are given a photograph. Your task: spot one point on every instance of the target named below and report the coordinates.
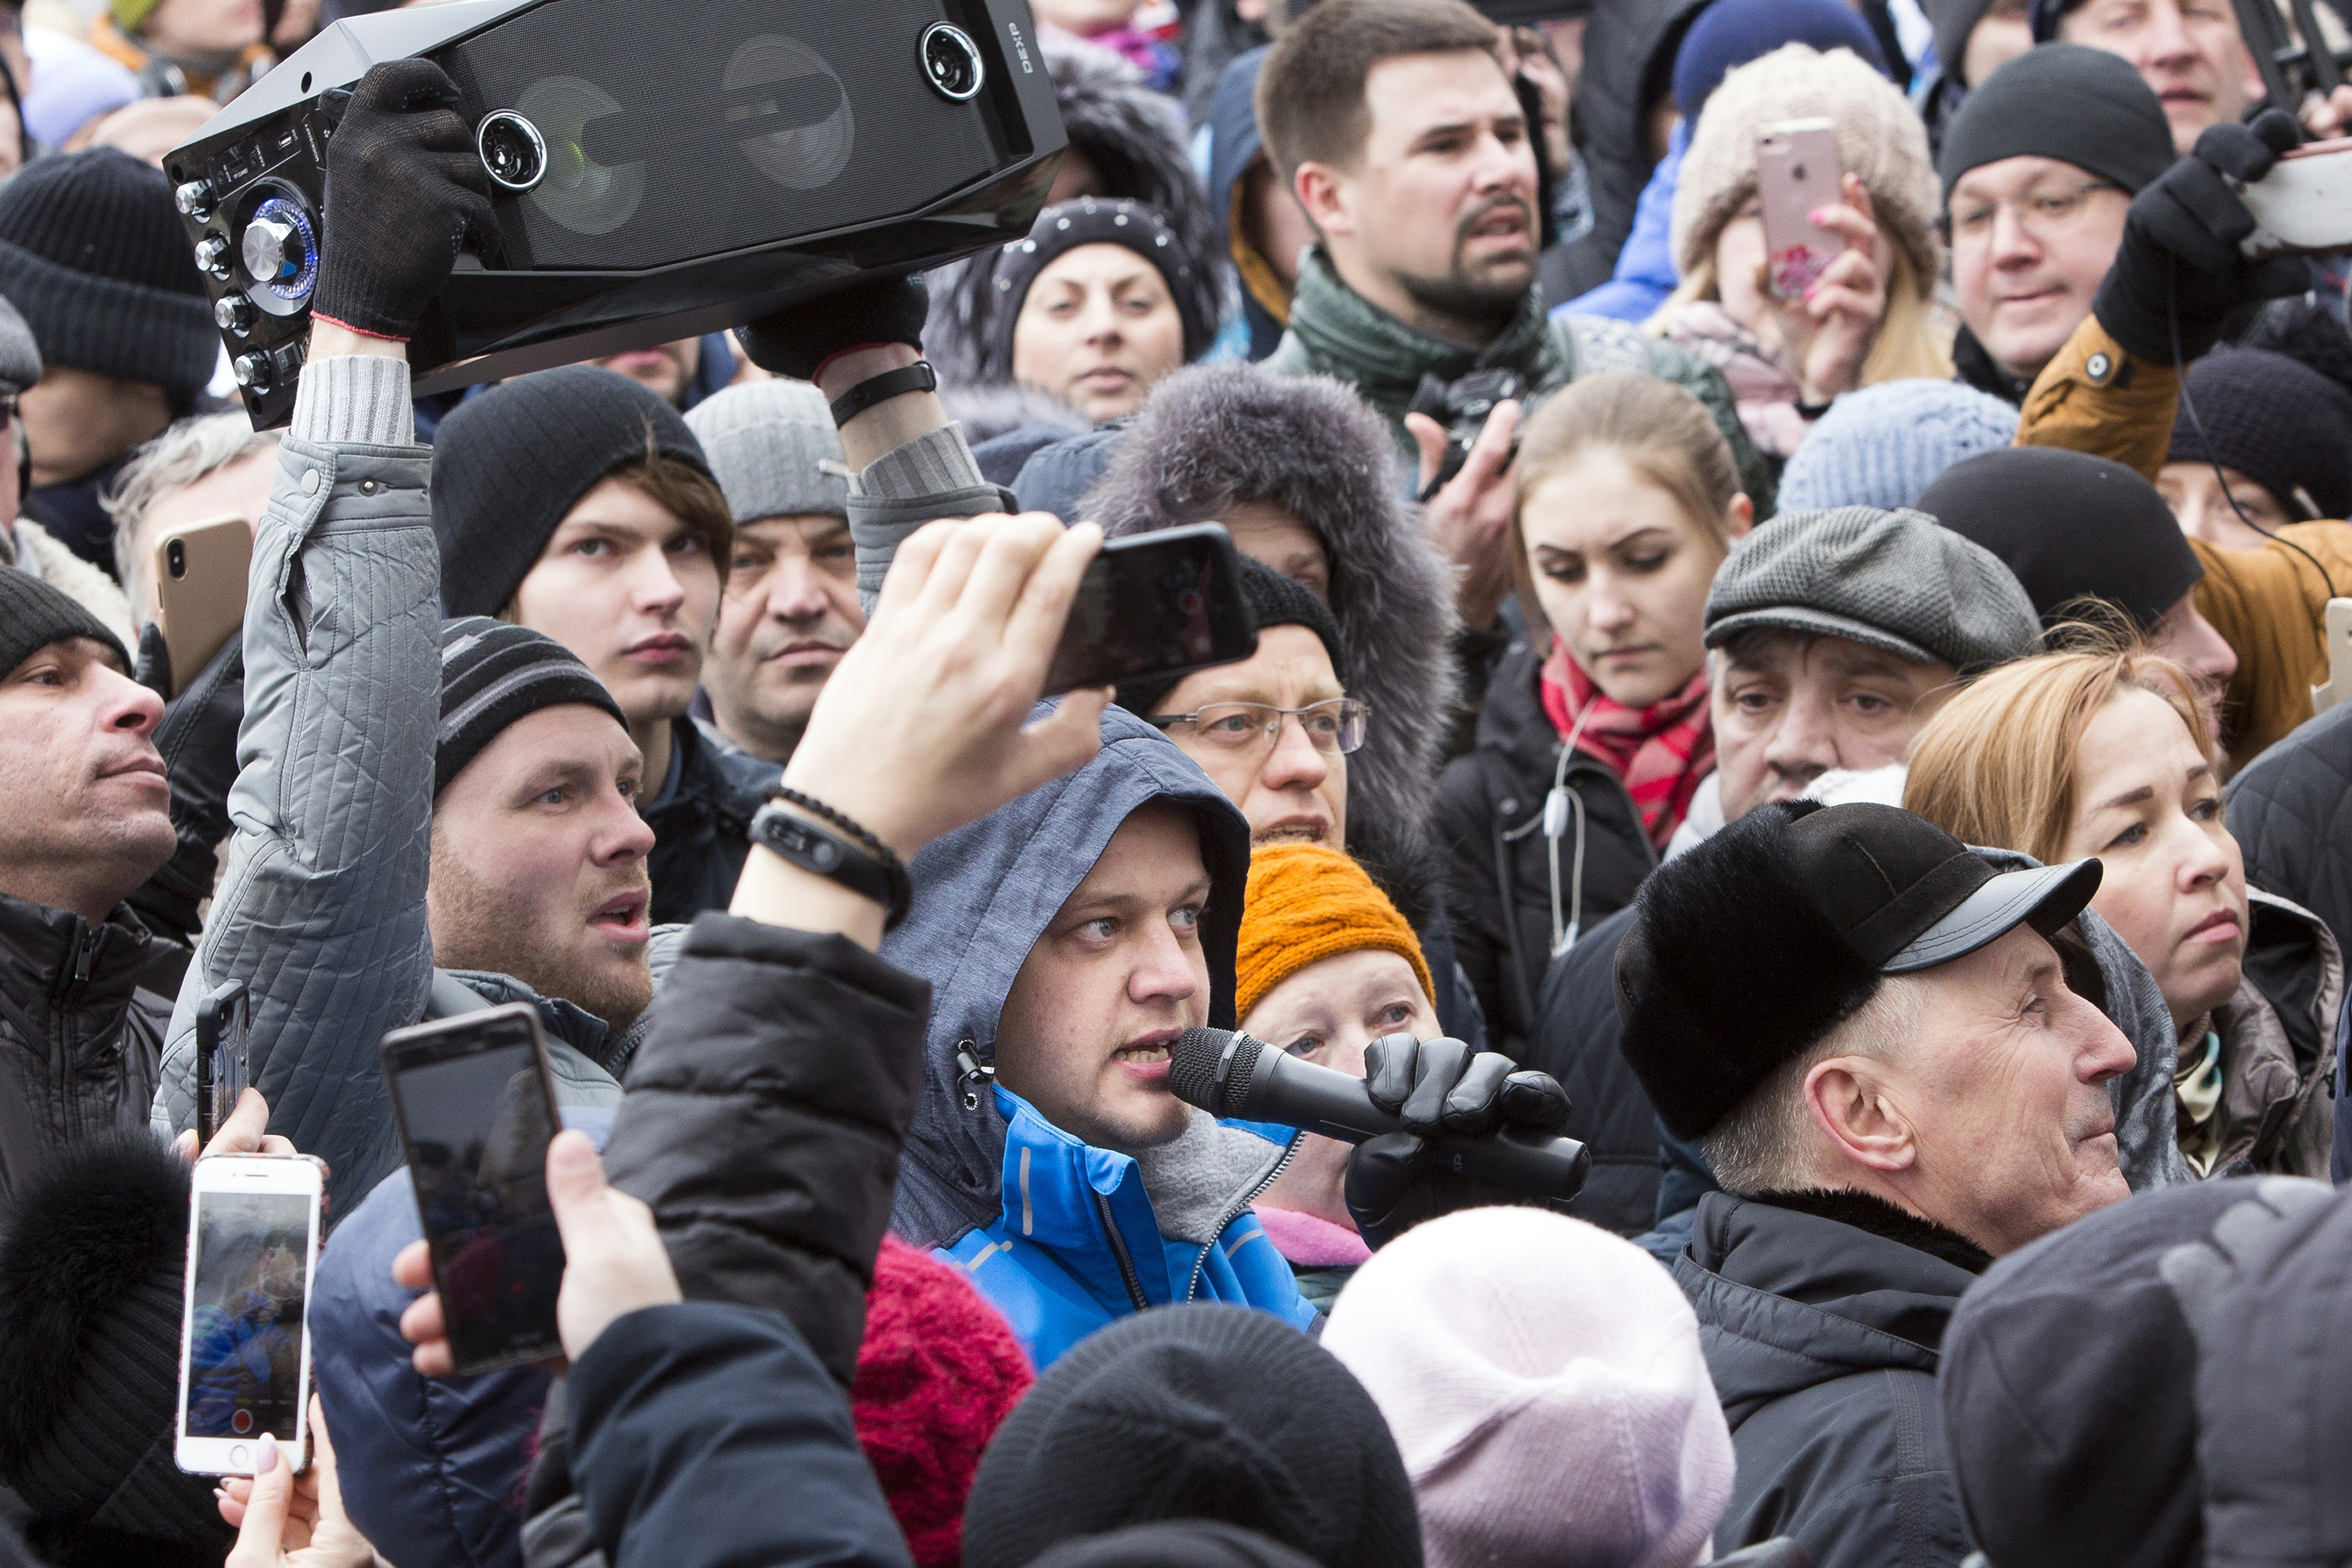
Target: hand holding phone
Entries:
(1156, 604)
(1798, 171)
(200, 585)
(2303, 206)
(224, 1057)
(244, 1332)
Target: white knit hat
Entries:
(1543, 1379)
(1881, 142)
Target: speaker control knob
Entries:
(195, 199)
(265, 255)
(252, 371)
(212, 256)
(234, 313)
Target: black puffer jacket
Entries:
(1629, 61)
(79, 1041)
(1490, 817)
(2290, 812)
(701, 833)
(1821, 1315)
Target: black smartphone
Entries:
(476, 1108)
(1161, 604)
(224, 1062)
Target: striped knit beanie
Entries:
(1307, 903)
(492, 673)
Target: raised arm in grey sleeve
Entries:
(931, 476)
(320, 910)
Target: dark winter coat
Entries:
(1133, 139)
(1820, 1315)
(1219, 436)
(1490, 814)
(1234, 144)
(701, 828)
(1629, 61)
(80, 1043)
(2279, 1033)
(707, 1434)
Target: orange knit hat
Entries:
(1307, 903)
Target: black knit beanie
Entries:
(1203, 1411)
(1091, 220)
(33, 615)
(2072, 527)
(90, 1277)
(2277, 420)
(508, 465)
(492, 673)
(2079, 105)
(1274, 601)
(94, 254)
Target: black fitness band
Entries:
(917, 377)
(827, 855)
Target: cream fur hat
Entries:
(1880, 141)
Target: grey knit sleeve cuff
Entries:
(355, 400)
(931, 476)
(933, 463)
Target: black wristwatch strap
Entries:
(820, 850)
(917, 377)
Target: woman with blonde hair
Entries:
(1867, 319)
(2108, 752)
(1595, 732)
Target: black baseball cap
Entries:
(1750, 948)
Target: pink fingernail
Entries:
(267, 1459)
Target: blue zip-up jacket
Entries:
(1064, 1238)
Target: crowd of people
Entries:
(1867, 765)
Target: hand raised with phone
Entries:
(286, 1520)
(1828, 329)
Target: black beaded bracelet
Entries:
(917, 377)
(847, 824)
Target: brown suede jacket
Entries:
(2269, 604)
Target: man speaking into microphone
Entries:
(1072, 938)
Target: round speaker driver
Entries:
(576, 194)
(805, 157)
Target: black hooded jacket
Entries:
(81, 1044)
(1490, 816)
(1821, 1315)
(1629, 58)
(702, 828)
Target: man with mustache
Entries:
(1399, 131)
(790, 608)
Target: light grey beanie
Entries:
(773, 449)
(1882, 447)
(20, 356)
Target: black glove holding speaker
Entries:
(1431, 1086)
(405, 193)
(797, 341)
(198, 740)
(2179, 260)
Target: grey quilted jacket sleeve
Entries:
(321, 908)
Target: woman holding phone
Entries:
(1861, 314)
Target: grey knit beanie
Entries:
(1883, 445)
(20, 356)
(774, 450)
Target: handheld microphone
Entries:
(1229, 1074)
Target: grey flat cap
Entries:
(773, 449)
(1899, 582)
(20, 356)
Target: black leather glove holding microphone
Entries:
(405, 193)
(1431, 1086)
(198, 740)
(2179, 259)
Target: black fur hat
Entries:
(90, 1277)
(1748, 949)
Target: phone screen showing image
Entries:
(1152, 605)
(478, 1125)
(245, 1333)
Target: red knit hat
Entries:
(936, 1374)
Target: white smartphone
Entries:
(2303, 206)
(244, 1323)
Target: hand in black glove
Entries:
(198, 740)
(1434, 1085)
(405, 193)
(2179, 256)
(797, 341)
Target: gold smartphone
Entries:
(200, 585)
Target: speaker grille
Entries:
(700, 126)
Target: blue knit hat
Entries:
(1730, 33)
(1884, 445)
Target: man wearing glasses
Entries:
(2039, 166)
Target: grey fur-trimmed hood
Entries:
(1133, 138)
(1217, 435)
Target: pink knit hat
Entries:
(1544, 1381)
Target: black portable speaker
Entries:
(661, 171)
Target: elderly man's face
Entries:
(1788, 708)
(1993, 1118)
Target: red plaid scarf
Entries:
(1662, 751)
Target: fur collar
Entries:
(1881, 1218)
